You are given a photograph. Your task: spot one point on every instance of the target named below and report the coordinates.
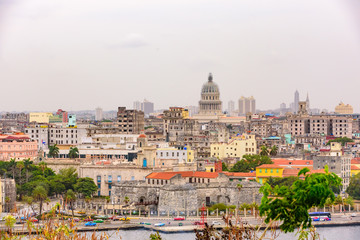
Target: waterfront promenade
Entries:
(172, 226)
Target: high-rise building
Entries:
(282, 105)
(147, 107)
(130, 121)
(296, 102)
(247, 105)
(98, 114)
(231, 106)
(137, 105)
(308, 102)
(210, 103)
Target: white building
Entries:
(98, 114)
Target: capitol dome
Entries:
(210, 86)
(210, 103)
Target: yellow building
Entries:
(40, 117)
(355, 166)
(354, 170)
(344, 109)
(265, 171)
(237, 147)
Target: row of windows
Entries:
(271, 170)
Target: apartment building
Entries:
(130, 121)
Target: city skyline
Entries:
(266, 51)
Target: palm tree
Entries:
(264, 151)
(53, 151)
(43, 166)
(70, 198)
(27, 164)
(73, 152)
(20, 166)
(274, 150)
(12, 166)
(40, 194)
(126, 200)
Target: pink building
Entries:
(17, 146)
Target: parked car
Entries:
(33, 220)
(216, 223)
(116, 218)
(147, 223)
(125, 219)
(159, 224)
(98, 221)
(74, 219)
(179, 219)
(198, 223)
(88, 219)
(353, 214)
(81, 212)
(90, 224)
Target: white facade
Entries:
(98, 114)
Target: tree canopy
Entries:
(290, 205)
(354, 187)
(85, 186)
(250, 162)
(342, 140)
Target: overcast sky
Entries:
(81, 54)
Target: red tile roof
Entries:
(355, 161)
(169, 175)
(240, 174)
(292, 162)
(353, 167)
(269, 166)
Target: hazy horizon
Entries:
(79, 55)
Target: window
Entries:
(109, 178)
(277, 170)
(98, 185)
(260, 171)
(98, 179)
(271, 170)
(265, 170)
(119, 178)
(132, 178)
(109, 186)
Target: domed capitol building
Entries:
(210, 105)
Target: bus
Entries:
(320, 216)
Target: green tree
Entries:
(70, 198)
(290, 205)
(53, 151)
(250, 162)
(27, 166)
(29, 201)
(264, 151)
(20, 166)
(69, 177)
(342, 140)
(12, 167)
(284, 181)
(354, 187)
(274, 150)
(43, 166)
(56, 186)
(85, 186)
(224, 167)
(40, 195)
(73, 152)
(126, 200)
